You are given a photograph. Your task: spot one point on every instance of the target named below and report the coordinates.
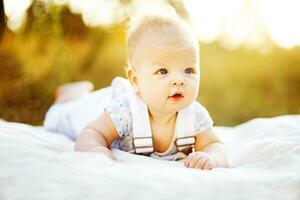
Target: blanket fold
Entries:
(264, 156)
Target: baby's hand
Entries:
(200, 160)
(103, 150)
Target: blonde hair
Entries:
(141, 26)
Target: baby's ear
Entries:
(131, 74)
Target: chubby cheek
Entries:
(152, 94)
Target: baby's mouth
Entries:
(176, 97)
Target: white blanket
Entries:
(264, 164)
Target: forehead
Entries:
(167, 49)
(170, 56)
(172, 37)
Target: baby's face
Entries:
(168, 78)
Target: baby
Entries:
(154, 112)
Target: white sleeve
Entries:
(119, 112)
(203, 121)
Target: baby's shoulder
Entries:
(119, 111)
(121, 100)
(203, 119)
(199, 108)
(119, 106)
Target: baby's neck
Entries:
(161, 117)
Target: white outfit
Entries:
(130, 117)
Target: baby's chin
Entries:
(171, 106)
(176, 106)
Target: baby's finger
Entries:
(188, 159)
(201, 163)
(208, 165)
(193, 161)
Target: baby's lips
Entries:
(177, 94)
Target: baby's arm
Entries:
(98, 136)
(210, 152)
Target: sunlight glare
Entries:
(15, 11)
(153, 7)
(233, 22)
(248, 23)
(282, 20)
(97, 12)
(206, 17)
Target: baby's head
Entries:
(163, 62)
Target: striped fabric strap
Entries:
(185, 129)
(142, 135)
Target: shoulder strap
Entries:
(142, 135)
(185, 127)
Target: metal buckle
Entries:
(188, 144)
(142, 147)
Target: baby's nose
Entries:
(178, 82)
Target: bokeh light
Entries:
(232, 22)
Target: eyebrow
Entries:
(159, 65)
(156, 63)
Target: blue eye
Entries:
(162, 71)
(189, 70)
